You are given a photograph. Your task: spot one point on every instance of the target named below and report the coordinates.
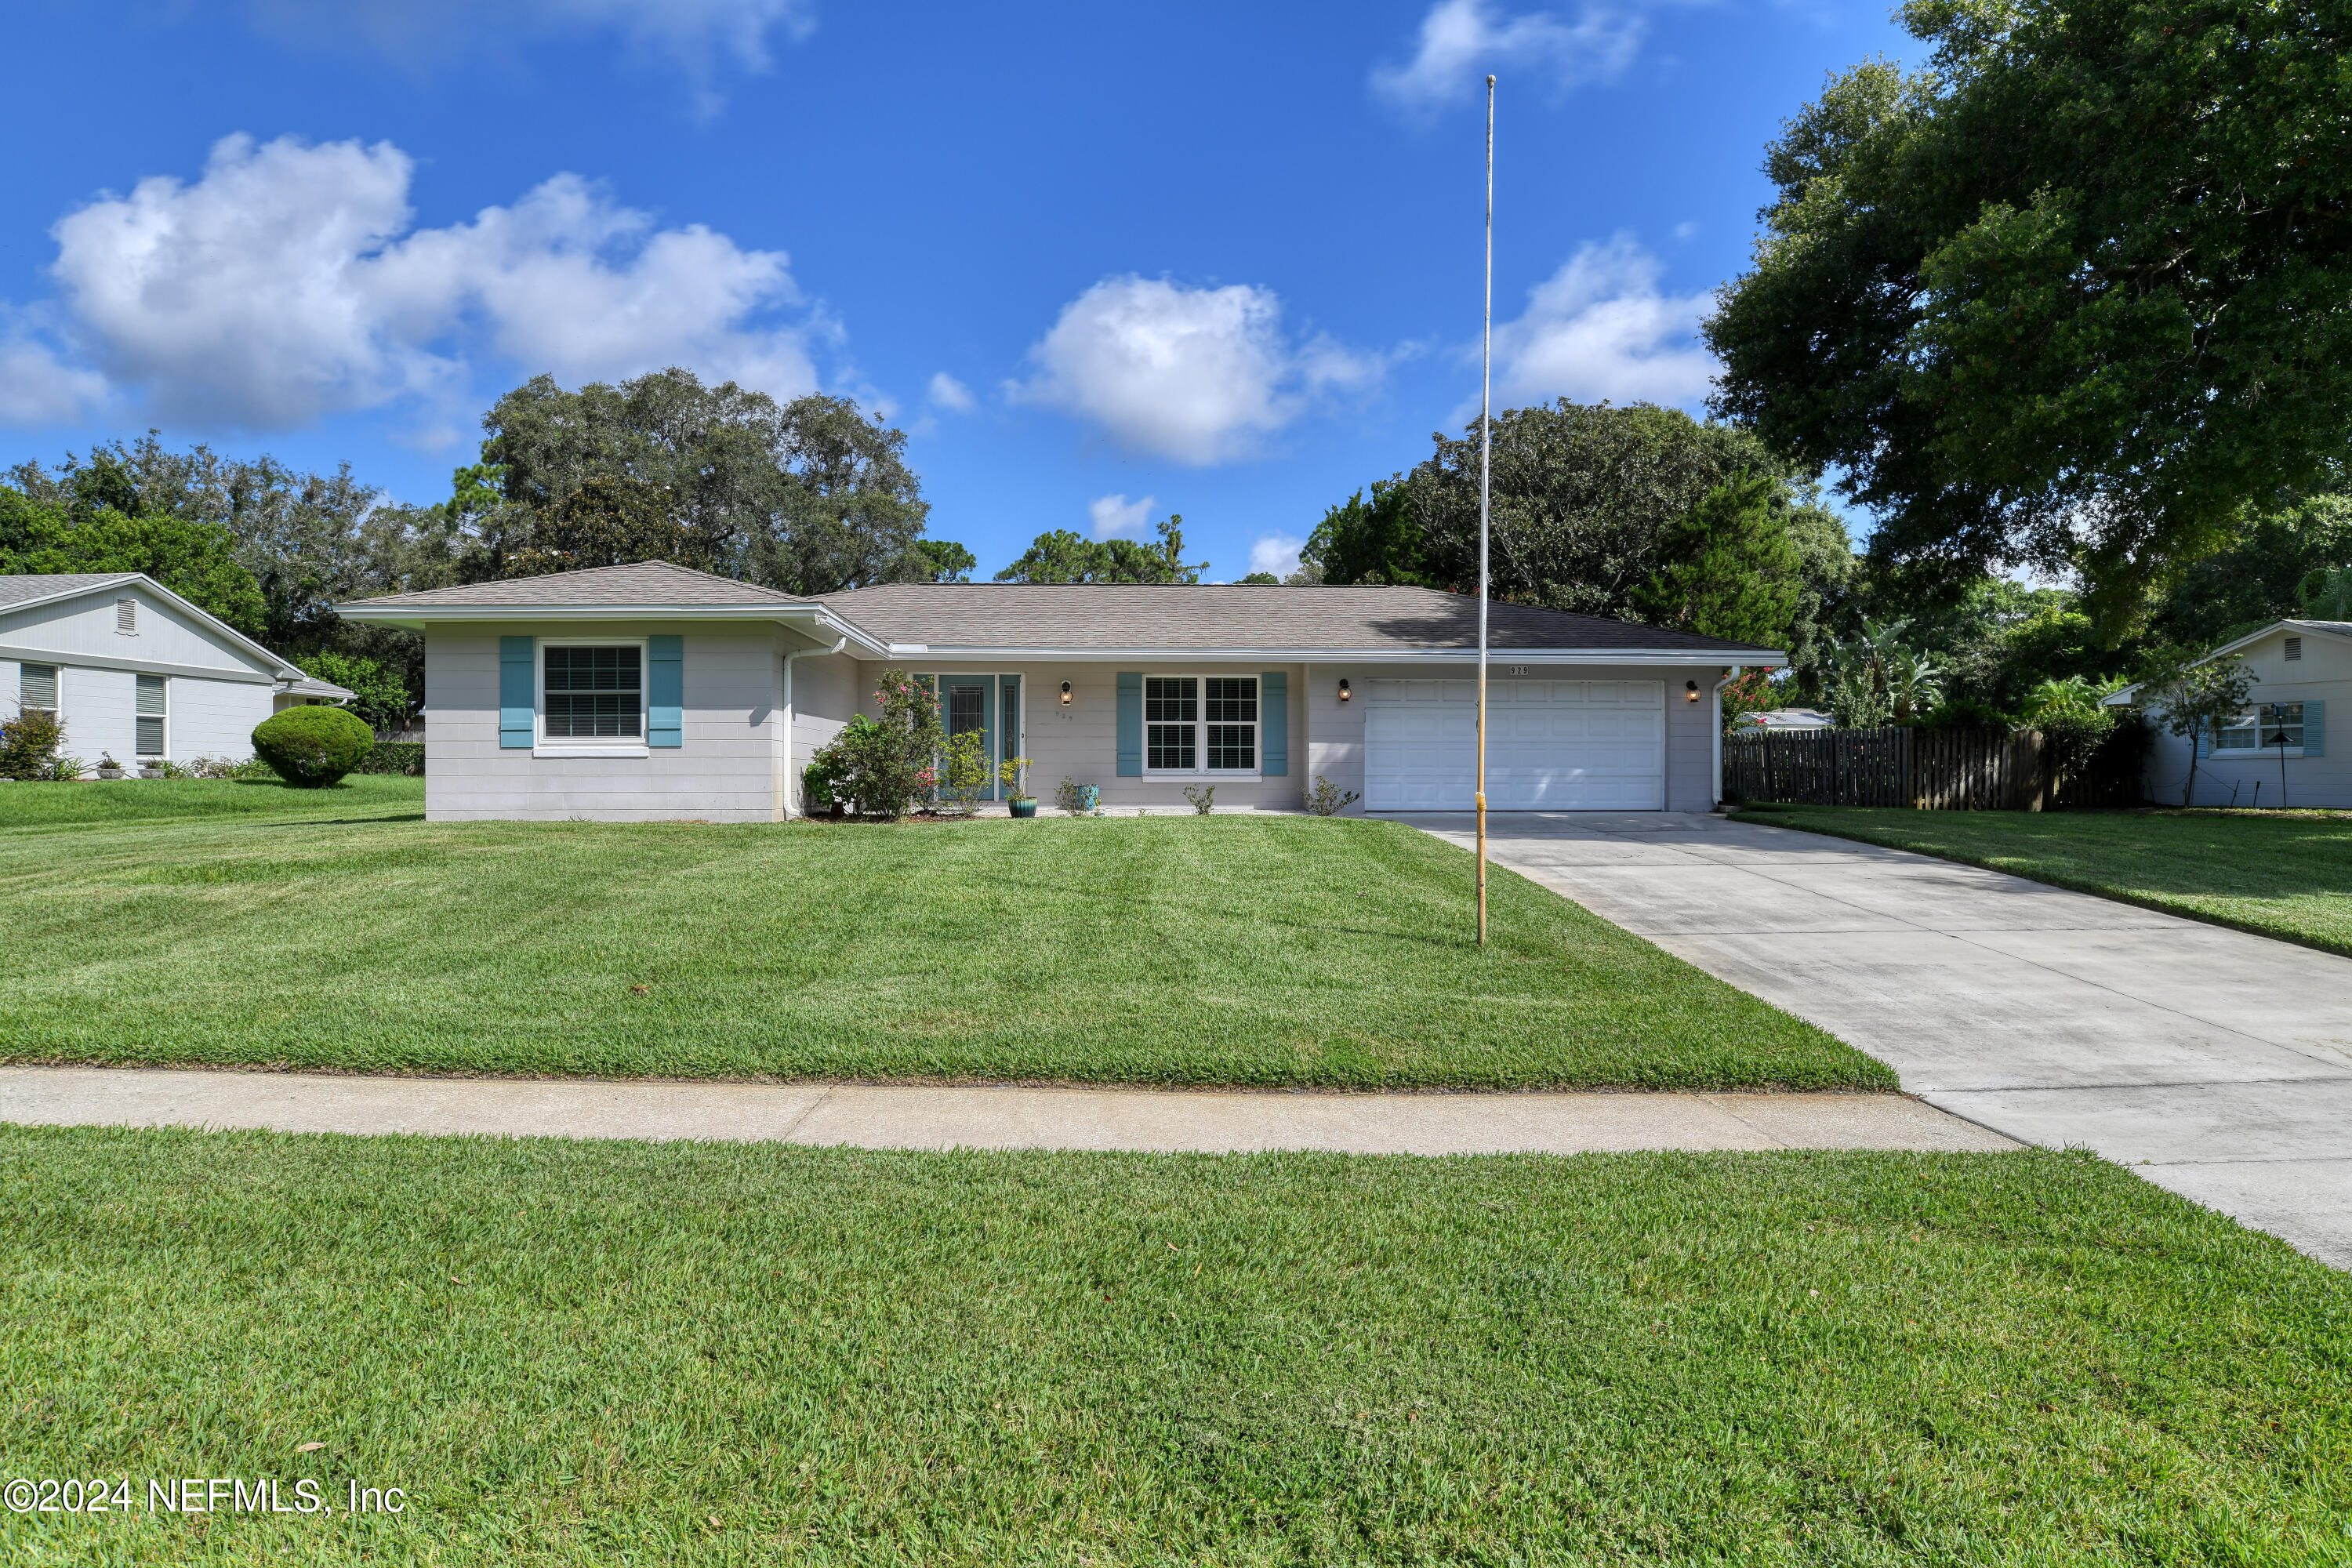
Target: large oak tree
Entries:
(2078, 295)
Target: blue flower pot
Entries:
(1090, 797)
(1024, 808)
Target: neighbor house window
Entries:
(1194, 723)
(39, 688)
(151, 715)
(594, 693)
(2259, 729)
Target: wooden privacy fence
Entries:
(1931, 770)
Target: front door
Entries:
(968, 702)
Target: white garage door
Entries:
(1552, 745)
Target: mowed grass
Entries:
(570, 1352)
(105, 802)
(1234, 950)
(2275, 874)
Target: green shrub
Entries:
(28, 745)
(405, 758)
(313, 747)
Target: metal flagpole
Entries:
(1485, 464)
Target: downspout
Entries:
(1728, 677)
(790, 713)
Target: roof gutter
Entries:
(1752, 659)
(417, 617)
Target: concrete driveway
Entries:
(2215, 1063)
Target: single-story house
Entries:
(133, 671)
(652, 691)
(2298, 665)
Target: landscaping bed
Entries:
(1223, 949)
(2281, 874)
(705, 1354)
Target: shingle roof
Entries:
(642, 582)
(2341, 628)
(22, 589)
(1231, 616)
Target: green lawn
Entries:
(702, 1353)
(2271, 873)
(100, 803)
(1236, 949)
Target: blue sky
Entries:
(1103, 263)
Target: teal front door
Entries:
(968, 702)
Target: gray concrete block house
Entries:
(650, 692)
(132, 670)
(2279, 742)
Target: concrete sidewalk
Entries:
(877, 1116)
(2217, 1063)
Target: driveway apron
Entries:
(2216, 1063)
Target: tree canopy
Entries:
(86, 528)
(1585, 501)
(1063, 556)
(810, 496)
(945, 560)
(1728, 567)
(2075, 297)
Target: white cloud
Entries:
(1199, 375)
(1116, 516)
(1600, 328)
(37, 387)
(1462, 40)
(1275, 553)
(949, 394)
(286, 284)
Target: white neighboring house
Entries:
(2298, 665)
(135, 672)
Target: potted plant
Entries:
(107, 768)
(1014, 774)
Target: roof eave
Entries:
(1748, 659)
(417, 617)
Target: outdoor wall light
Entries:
(1343, 688)
(1066, 694)
(1690, 690)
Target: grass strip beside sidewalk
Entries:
(704, 1354)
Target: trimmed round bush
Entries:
(313, 747)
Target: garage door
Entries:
(1552, 745)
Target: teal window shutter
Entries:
(1273, 723)
(2204, 740)
(1131, 724)
(515, 682)
(2314, 729)
(666, 691)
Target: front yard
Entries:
(702, 1353)
(333, 929)
(2273, 873)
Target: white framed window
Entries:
(2263, 728)
(1201, 724)
(37, 687)
(153, 716)
(592, 697)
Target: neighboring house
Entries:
(2297, 667)
(1786, 719)
(652, 691)
(133, 671)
